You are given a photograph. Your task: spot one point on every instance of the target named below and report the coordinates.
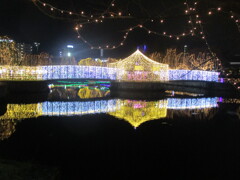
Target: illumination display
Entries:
(193, 75)
(21, 72)
(138, 67)
(126, 71)
(56, 72)
(78, 72)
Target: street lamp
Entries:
(37, 44)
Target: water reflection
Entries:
(134, 112)
(66, 90)
(138, 112)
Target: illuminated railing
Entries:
(56, 72)
(89, 72)
(78, 72)
(92, 72)
(21, 73)
(193, 75)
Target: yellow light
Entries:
(22, 111)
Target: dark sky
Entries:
(24, 22)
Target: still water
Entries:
(86, 133)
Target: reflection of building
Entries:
(135, 112)
(138, 112)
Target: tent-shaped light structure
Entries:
(137, 112)
(138, 67)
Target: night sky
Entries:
(24, 22)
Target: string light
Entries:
(108, 14)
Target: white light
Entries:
(69, 46)
(69, 54)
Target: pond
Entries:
(80, 131)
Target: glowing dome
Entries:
(138, 67)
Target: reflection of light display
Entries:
(86, 93)
(192, 103)
(78, 108)
(129, 110)
(7, 128)
(193, 75)
(22, 111)
(138, 67)
(135, 112)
